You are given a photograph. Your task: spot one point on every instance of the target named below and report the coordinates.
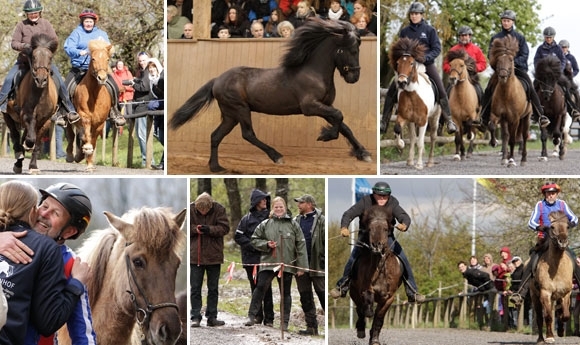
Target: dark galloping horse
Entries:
(36, 101)
(303, 84)
(548, 74)
(377, 274)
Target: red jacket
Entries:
(474, 51)
(119, 76)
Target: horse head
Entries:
(42, 49)
(460, 64)
(502, 54)
(151, 255)
(377, 221)
(547, 73)
(558, 231)
(346, 58)
(404, 56)
(101, 52)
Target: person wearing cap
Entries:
(64, 212)
(259, 211)
(565, 45)
(420, 30)
(312, 223)
(76, 47)
(550, 48)
(508, 18)
(21, 39)
(381, 196)
(540, 222)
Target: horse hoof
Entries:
(360, 334)
(511, 163)
(550, 340)
(34, 171)
(543, 159)
(90, 168)
(17, 170)
(456, 158)
(400, 143)
(419, 167)
(279, 160)
(555, 153)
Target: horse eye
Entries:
(138, 263)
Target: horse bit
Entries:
(142, 315)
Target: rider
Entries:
(540, 222)
(419, 29)
(508, 18)
(76, 47)
(464, 42)
(21, 38)
(550, 48)
(565, 45)
(381, 196)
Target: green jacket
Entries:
(317, 247)
(293, 246)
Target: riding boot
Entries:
(390, 101)
(537, 109)
(479, 92)
(65, 101)
(116, 116)
(446, 114)
(574, 113)
(576, 267)
(115, 112)
(519, 296)
(342, 285)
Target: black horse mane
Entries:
(469, 62)
(378, 213)
(507, 45)
(406, 46)
(44, 41)
(548, 70)
(311, 34)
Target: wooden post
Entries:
(201, 20)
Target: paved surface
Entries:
(48, 167)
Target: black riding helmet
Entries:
(417, 7)
(32, 6)
(382, 188)
(549, 32)
(508, 14)
(75, 201)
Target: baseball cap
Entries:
(306, 198)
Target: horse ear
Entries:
(117, 222)
(180, 217)
(111, 49)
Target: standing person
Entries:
(479, 279)
(473, 263)
(278, 233)
(21, 38)
(122, 75)
(76, 47)
(40, 299)
(175, 22)
(565, 45)
(505, 254)
(419, 29)
(381, 196)
(312, 223)
(516, 273)
(508, 18)
(540, 222)
(142, 95)
(209, 224)
(259, 211)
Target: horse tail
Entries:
(200, 100)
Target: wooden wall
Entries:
(191, 63)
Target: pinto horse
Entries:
(133, 269)
(416, 99)
(546, 83)
(463, 101)
(36, 101)
(552, 281)
(377, 274)
(509, 103)
(93, 103)
(303, 84)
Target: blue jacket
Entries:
(521, 59)
(428, 37)
(79, 40)
(261, 9)
(550, 49)
(573, 63)
(542, 210)
(248, 224)
(38, 293)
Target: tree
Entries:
(235, 202)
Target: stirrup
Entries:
(516, 299)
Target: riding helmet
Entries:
(550, 187)
(75, 201)
(382, 188)
(465, 30)
(549, 32)
(31, 6)
(564, 44)
(417, 7)
(88, 13)
(508, 14)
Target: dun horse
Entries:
(548, 74)
(417, 106)
(509, 103)
(36, 101)
(303, 84)
(134, 265)
(377, 274)
(463, 101)
(93, 103)
(553, 280)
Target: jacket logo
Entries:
(6, 269)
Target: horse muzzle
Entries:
(164, 328)
(351, 74)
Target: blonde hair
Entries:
(276, 199)
(285, 24)
(204, 202)
(17, 200)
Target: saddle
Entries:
(72, 84)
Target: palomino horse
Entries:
(377, 274)
(463, 101)
(36, 101)
(93, 103)
(134, 264)
(303, 84)
(416, 99)
(548, 74)
(553, 279)
(509, 103)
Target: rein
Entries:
(142, 315)
(459, 73)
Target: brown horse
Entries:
(553, 279)
(463, 101)
(548, 75)
(416, 101)
(509, 103)
(134, 265)
(36, 101)
(93, 103)
(377, 274)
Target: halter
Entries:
(142, 315)
(548, 90)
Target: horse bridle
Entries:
(142, 315)
(459, 73)
(346, 68)
(551, 234)
(413, 68)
